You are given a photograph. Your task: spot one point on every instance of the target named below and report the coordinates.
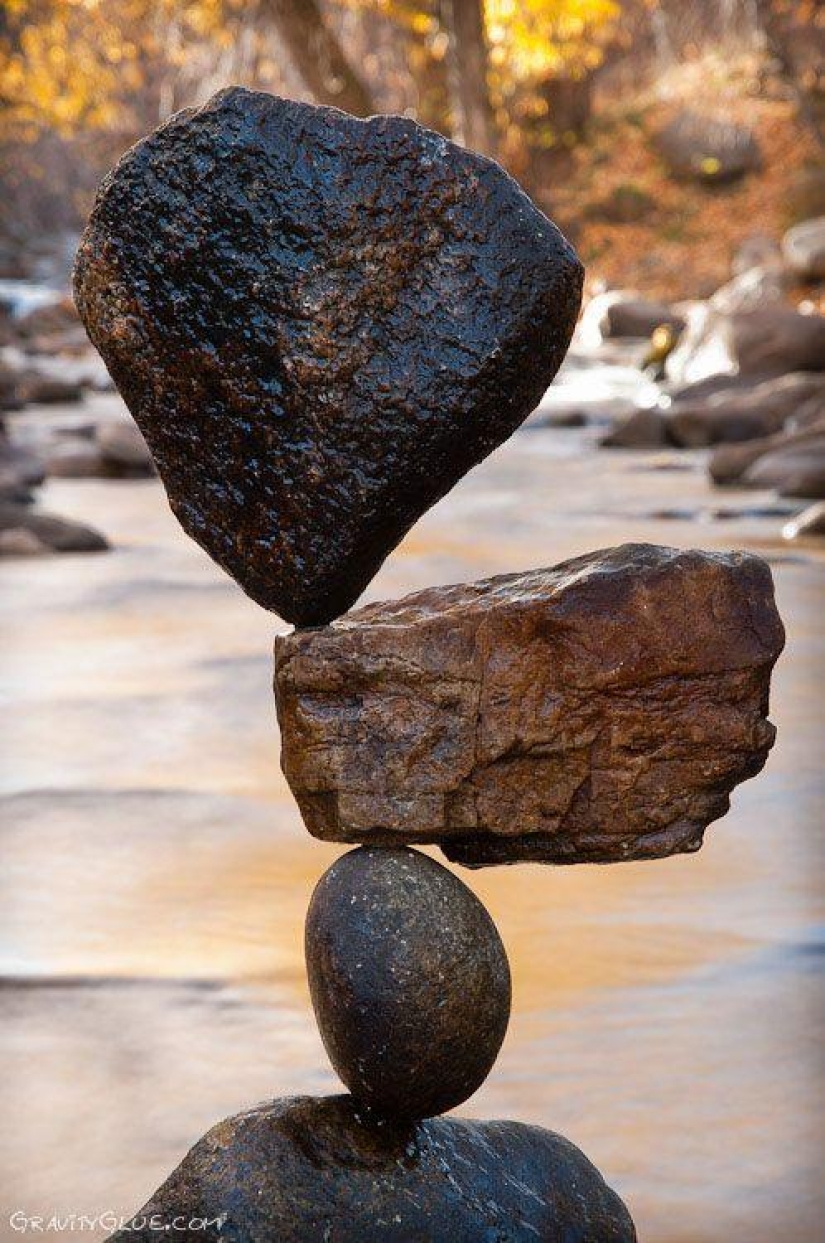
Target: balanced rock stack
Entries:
(320, 324)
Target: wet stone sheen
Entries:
(320, 324)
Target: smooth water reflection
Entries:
(667, 1016)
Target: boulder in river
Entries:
(10, 377)
(20, 468)
(804, 249)
(55, 534)
(600, 710)
(795, 470)
(707, 149)
(320, 324)
(48, 320)
(742, 414)
(776, 339)
(729, 462)
(37, 388)
(629, 315)
(303, 1168)
(409, 980)
(124, 452)
(643, 429)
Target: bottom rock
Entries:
(302, 1170)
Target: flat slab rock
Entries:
(305, 1169)
(320, 324)
(600, 710)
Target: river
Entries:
(667, 1015)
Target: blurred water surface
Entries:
(667, 1016)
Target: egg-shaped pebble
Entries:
(409, 980)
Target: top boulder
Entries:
(320, 324)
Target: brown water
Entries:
(667, 1016)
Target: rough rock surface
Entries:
(306, 1169)
(320, 324)
(600, 710)
(409, 980)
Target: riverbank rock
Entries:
(707, 149)
(796, 470)
(320, 324)
(728, 463)
(304, 1168)
(37, 388)
(20, 469)
(804, 249)
(776, 339)
(50, 320)
(596, 711)
(409, 981)
(22, 527)
(643, 429)
(123, 451)
(742, 414)
(631, 316)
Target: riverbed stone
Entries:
(745, 414)
(54, 533)
(729, 462)
(409, 981)
(599, 710)
(304, 1169)
(320, 324)
(776, 339)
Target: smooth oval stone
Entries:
(409, 980)
(320, 324)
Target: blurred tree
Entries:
(316, 53)
(474, 120)
(795, 30)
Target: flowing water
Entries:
(667, 1015)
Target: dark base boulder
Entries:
(302, 1170)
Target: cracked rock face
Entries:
(409, 980)
(305, 1169)
(320, 324)
(600, 710)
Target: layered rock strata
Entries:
(599, 710)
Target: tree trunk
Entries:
(316, 53)
(432, 84)
(472, 111)
(796, 38)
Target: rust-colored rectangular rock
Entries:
(600, 710)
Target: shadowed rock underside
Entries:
(600, 710)
(320, 324)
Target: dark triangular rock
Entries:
(320, 324)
